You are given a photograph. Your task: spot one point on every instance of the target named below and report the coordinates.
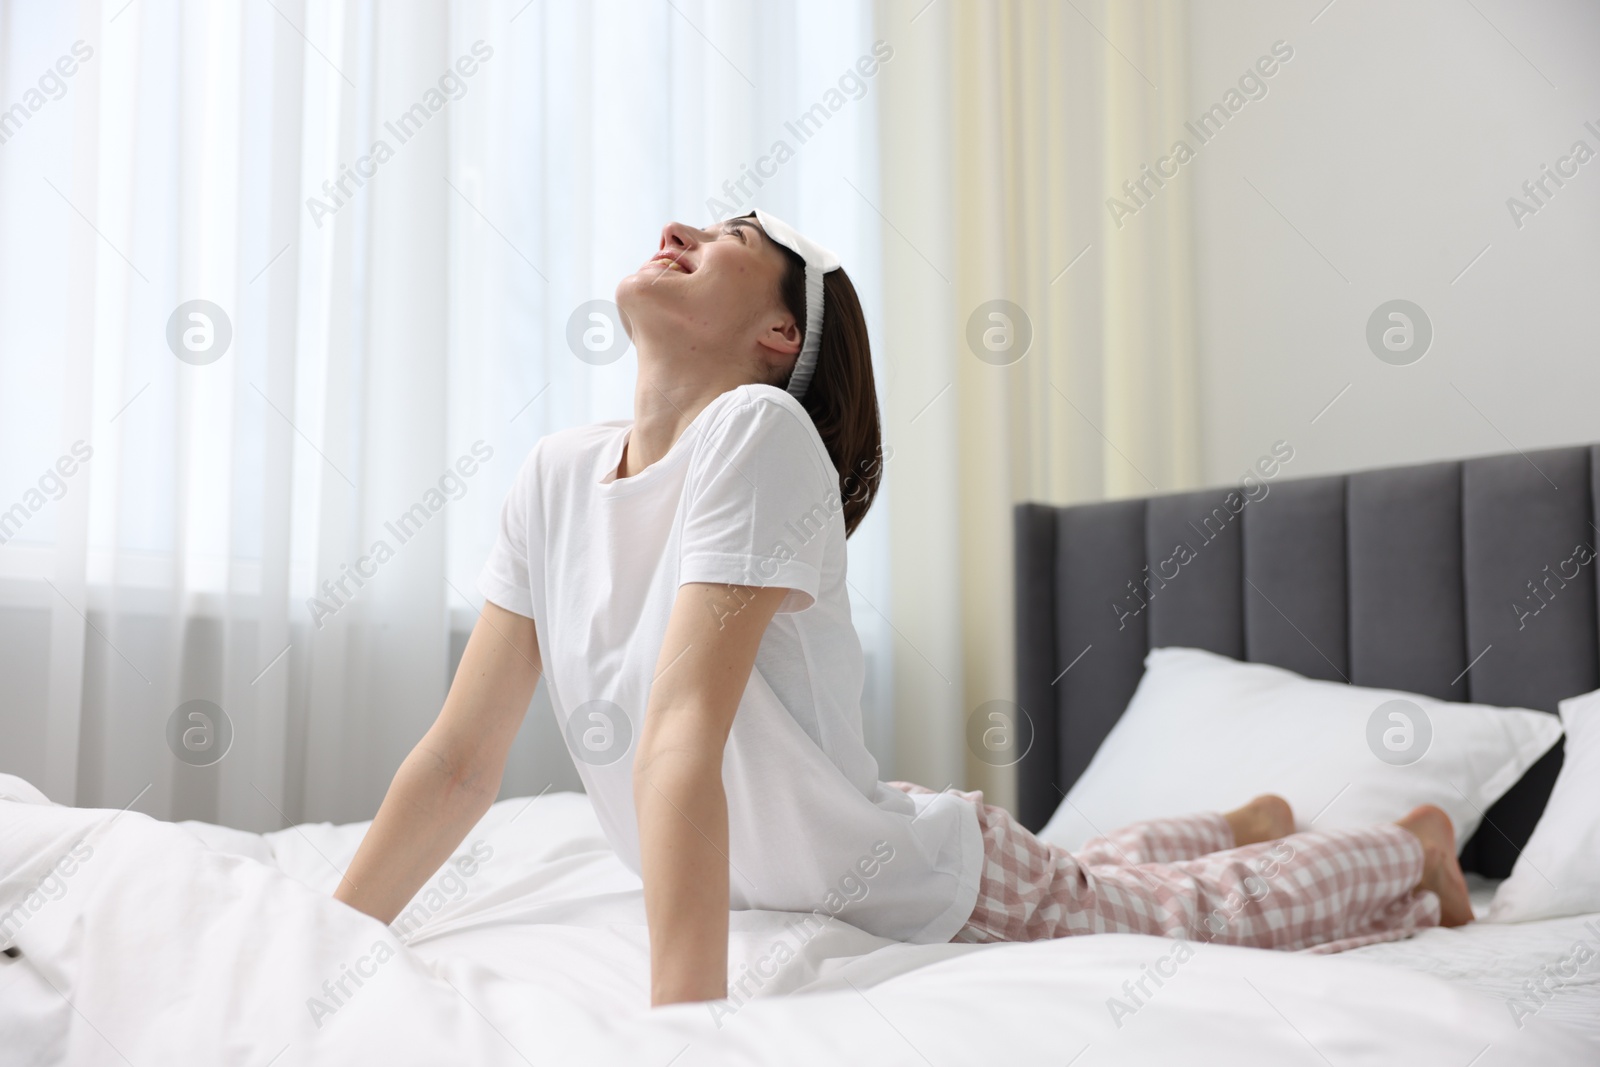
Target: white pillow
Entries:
(1206, 733)
(1559, 872)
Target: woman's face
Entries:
(717, 288)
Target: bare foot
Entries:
(1441, 870)
(1266, 818)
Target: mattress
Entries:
(1548, 969)
(196, 943)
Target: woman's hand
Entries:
(706, 658)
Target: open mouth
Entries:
(671, 261)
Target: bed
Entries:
(1418, 578)
(1400, 578)
(136, 941)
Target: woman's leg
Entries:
(1266, 818)
(1156, 840)
(1185, 837)
(1332, 889)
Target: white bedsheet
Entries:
(187, 943)
(1549, 969)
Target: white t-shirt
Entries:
(746, 496)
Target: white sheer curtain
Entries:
(393, 211)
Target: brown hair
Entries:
(842, 398)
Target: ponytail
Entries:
(842, 398)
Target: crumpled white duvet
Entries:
(142, 942)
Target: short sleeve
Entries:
(504, 579)
(761, 501)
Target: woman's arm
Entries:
(706, 657)
(449, 780)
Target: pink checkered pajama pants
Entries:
(1318, 891)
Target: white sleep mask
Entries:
(819, 261)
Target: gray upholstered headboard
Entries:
(1399, 578)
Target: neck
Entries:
(668, 395)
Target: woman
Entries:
(680, 578)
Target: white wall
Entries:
(1391, 141)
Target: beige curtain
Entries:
(1005, 128)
